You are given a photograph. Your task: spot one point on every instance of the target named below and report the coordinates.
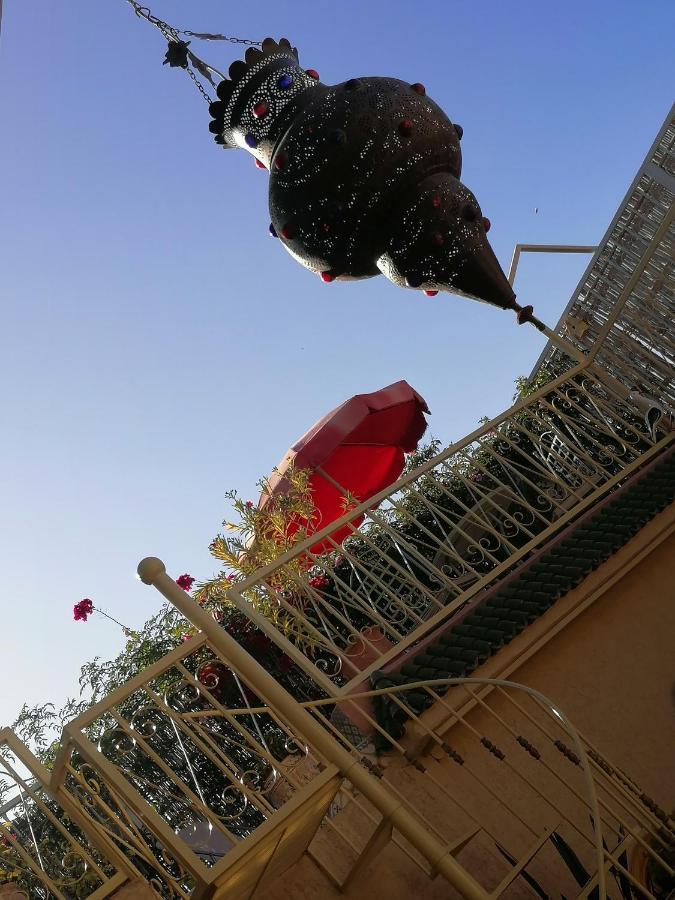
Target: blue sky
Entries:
(158, 348)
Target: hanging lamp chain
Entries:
(169, 31)
(174, 37)
(200, 87)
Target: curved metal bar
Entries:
(544, 701)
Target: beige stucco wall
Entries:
(612, 671)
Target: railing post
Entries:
(152, 571)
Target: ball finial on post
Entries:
(150, 568)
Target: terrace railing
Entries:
(213, 781)
(187, 786)
(46, 848)
(449, 529)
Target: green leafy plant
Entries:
(258, 537)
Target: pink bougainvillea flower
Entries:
(318, 582)
(185, 637)
(185, 581)
(249, 504)
(82, 610)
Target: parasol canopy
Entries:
(360, 445)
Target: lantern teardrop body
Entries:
(364, 176)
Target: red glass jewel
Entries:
(405, 127)
(259, 163)
(260, 109)
(327, 277)
(486, 224)
(287, 231)
(312, 74)
(419, 88)
(431, 293)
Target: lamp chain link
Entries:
(173, 34)
(169, 31)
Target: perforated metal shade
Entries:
(364, 176)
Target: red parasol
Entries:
(361, 445)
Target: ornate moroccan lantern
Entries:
(364, 176)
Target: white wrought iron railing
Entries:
(168, 766)
(449, 529)
(621, 311)
(176, 772)
(45, 847)
(209, 778)
(496, 763)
